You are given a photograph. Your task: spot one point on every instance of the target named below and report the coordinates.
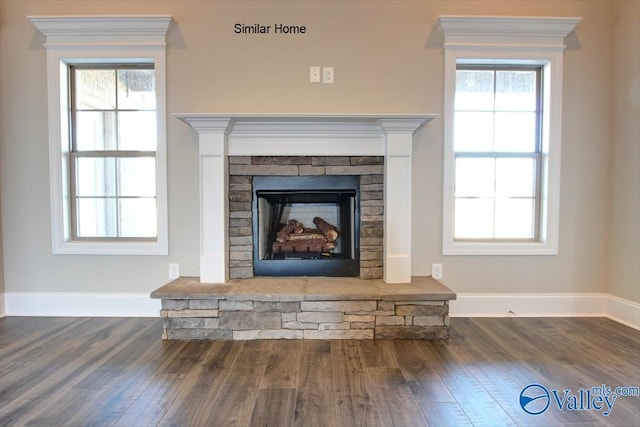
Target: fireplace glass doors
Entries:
(306, 226)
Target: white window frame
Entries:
(507, 41)
(101, 39)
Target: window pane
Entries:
(114, 110)
(473, 132)
(516, 90)
(96, 217)
(473, 219)
(95, 176)
(95, 89)
(95, 130)
(515, 177)
(137, 177)
(474, 90)
(515, 132)
(514, 218)
(475, 177)
(138, 217)
(136, 89)
(137, 130)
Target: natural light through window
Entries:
(497, 151)
(113, 152)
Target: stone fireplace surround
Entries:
(242, 169)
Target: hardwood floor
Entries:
(118, 372)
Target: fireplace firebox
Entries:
(306, 226)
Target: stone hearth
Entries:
(304, 308)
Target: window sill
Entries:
(492, 248)
(111, 248)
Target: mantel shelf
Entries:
(301, 123)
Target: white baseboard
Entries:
(81, 304)
(467, 305)
(623, 311)
(528, 305)
(547, 305)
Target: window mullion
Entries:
(497, 154)
(73, 203)
(73, 199)
(116, 162)
(113, 153)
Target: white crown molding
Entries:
(69, 31)
(468, 31)
(79, 25)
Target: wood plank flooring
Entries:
(118, 372)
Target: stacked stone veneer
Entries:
(341, 319)
(242, 169)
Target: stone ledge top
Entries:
(422, 288)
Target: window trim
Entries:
(125, 39)
(507, 41)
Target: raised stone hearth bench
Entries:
(304, 308)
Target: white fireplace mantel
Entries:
(223, 135)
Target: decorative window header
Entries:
(72, 31)
(505, 31)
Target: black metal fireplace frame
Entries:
(309, 189)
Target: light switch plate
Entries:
(327, 75)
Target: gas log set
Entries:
(294, 237)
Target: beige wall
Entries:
(386, 61)
(624, 249)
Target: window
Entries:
(496, 140)
(107, 133)
(113, 152)
(502, 129)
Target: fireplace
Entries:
(287, 213)
(221, 137)
(306, 226)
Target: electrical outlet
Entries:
(314, 74)
(436, 271)
(174, 271)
